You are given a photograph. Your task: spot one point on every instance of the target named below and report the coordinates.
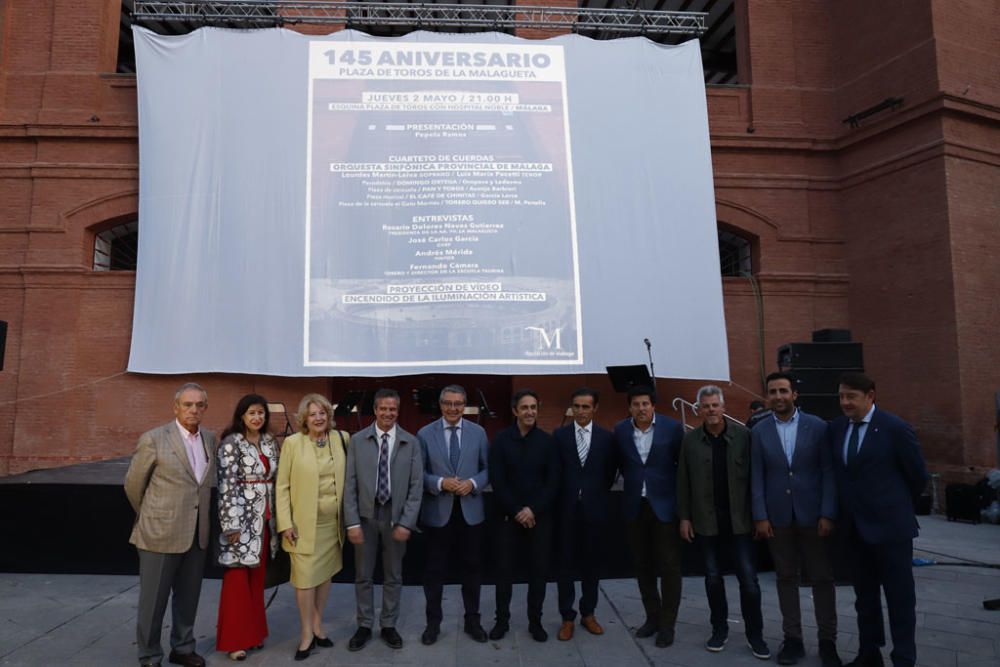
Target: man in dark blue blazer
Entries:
(452, 513)
(794, 503)
(589, 466)
(880, 472)
(648, 445)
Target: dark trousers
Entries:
(656, 548)
(889, 567)
(159, 576)
(794, 549)
(512, 538)
(740, 548)
(581, 544)
(459, 538)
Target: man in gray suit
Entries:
(794, 504)
(169, 484)
(455, 473)
(381, 503)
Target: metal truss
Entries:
(241, 14)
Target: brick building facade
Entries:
(890, 229)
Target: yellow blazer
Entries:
(297, 488)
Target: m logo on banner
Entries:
(546, 341)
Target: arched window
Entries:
(735, 256)
(117, 248)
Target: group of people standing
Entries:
(792, 480)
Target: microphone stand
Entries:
(649, 353)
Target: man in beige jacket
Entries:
(169, 485)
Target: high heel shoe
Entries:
(323, 642)
(302, 654)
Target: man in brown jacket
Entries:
(713, 504)
(169, 484)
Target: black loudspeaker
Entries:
(3, 342)
(832, 336)
(824, 406)
(843, 356)
(817, 380)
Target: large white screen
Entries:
(347, 205)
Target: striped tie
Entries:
(582, 446)
(382, 492)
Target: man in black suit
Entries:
(587, 456)
(879, 472)
(524, 473)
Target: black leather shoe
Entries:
(791, 651)
(191, 659)
(867, 659)
(302, 654)
(476, 631)
(664, 638)
(392, 638)
(537, 632)
(360, 638)
(430, 635)
(828, 653)
(500, 628)
(647, 629)
(323, 642)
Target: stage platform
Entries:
(77, 520)
(90, 620)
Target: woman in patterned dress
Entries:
(310, 495)
(247, 466)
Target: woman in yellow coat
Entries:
(309, 499)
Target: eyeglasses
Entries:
(452, 404)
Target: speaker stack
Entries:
(818, 366)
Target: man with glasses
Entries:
(880, 472)
(455, 474)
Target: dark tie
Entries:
(382, 488)
(852, 442)
(453, 450)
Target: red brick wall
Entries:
(889, 229)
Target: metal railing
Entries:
(681, 405)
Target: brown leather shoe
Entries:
(565, 631)
(191, 659)
(593, 627)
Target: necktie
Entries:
(852, 442)
(382, 488)
(582, 446)
(453, 450)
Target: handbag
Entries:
(278, 569)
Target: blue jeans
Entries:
(741, 550)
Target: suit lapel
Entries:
(801, 437)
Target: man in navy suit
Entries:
(587, 455)
(648, 446)
(455, 473)
(794, 504)
(880, 472)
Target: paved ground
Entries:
(89, 620)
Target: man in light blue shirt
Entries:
(794, 504)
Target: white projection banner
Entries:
(348, 205)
